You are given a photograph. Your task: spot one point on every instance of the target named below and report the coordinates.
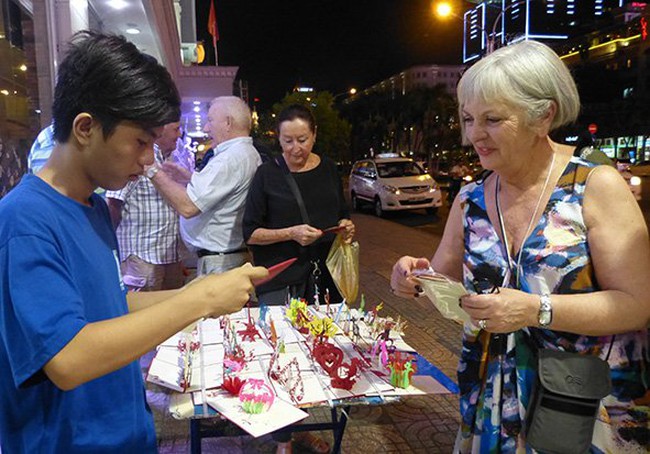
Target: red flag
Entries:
(213, 29)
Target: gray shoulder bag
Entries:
(563, 407)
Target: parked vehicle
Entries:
(633, 180)
(441, 175)
(641, 169)
(392, 183)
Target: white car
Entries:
(393, 183)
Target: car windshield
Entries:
(398, 169)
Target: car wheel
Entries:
(379, 211)
(432, 210)
(355, 202)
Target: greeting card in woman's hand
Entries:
(444, 292)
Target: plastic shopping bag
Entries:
(343, 264)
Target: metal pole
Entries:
(491, 41)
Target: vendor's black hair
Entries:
(108, 77)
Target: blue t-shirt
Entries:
(59, 270)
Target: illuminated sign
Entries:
(644, 28)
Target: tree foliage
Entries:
(333, 132)
(422, 121)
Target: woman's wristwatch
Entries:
(545, 315)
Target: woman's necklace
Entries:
(530, 224)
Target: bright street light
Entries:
(443, 10)
(351, 92)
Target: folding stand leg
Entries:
(195, 436)
(339, 428)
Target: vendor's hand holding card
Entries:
(444, 292)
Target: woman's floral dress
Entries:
(555, 259)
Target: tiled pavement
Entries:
(425, 424)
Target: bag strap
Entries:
(610, 348)
(291, 181)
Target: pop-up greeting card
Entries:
(402, 367)
(298, 315)
(256, 396)
(280, 414)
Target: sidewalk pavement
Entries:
(425, 424)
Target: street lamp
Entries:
(445, 10)
(351, 92)
(500, 18)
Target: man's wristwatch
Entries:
(152, 171)
(545, 315)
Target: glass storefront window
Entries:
(19, 102)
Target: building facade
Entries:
(612, 70)
(419, 77)
(492, 23)
(33, 36)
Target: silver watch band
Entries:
(545, 315)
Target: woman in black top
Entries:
(274, 227)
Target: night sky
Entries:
(327, 44)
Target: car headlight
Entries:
(391, 189)
(635, 181)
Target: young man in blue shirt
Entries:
(70, 335)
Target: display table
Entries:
(202, 363)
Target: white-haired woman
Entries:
(562, 244)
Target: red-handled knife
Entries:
(336, 229)
(274, 271)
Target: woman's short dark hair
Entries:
(297, 111)
(109, 78)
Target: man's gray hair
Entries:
(237, 109)
(528, 76)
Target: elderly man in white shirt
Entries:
(212, 205)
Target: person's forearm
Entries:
(175, 195)
(595, 314)
(141, 300)
(102, 347)
(262, 236)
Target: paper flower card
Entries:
(256, 396)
